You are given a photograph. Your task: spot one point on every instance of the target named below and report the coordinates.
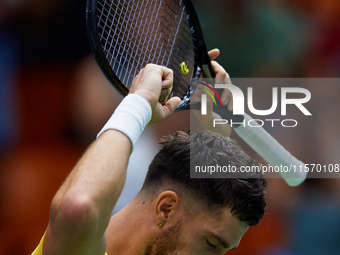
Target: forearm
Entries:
(99, 176)
(82, 207)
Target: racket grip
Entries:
(272, 152)
(266, 146)
(237, 120)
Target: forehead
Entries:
(222, 224)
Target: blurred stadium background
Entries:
(54, 99)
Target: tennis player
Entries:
(172, 214)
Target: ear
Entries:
(168, 209)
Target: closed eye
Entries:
(211, 245)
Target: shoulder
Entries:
(39, 249)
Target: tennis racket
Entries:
(125, 35)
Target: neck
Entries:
(131, 229)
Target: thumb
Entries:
(164, 110)
(170, 106)
(213, 54)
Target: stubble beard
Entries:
(166, 243)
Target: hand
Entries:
(221, 77)
(154, 84)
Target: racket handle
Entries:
(266, 146)
(272, 152)
(228, 115)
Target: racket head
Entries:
(125, 35)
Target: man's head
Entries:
(201, 216)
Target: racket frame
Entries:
(202, 62)
(93, 35)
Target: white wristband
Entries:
(130, 117)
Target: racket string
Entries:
(134, 33)
(112, 56)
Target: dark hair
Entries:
(245, 196)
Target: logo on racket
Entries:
(184, 68)
(211, 95)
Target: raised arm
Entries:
(81, 209)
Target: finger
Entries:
(167, 82)
(220, 72)
(164, 95)
(213, 54)
(167, 76)
(230, 104)
(152, 70)
(226, 96)
(170, 106)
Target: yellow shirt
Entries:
(39, 249)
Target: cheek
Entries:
(189, 243)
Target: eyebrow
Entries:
(223, 242)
